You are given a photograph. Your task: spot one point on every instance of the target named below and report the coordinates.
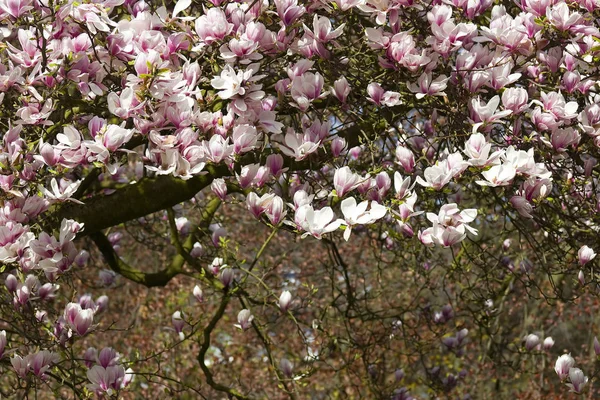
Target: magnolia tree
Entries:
(347, 199)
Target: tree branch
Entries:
(148, 279)
(136, 200)
(206, 345)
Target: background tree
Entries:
(329, 199)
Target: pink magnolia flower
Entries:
(523, 207)
(426, 86)
(316, 223)
(498, 175)
(178, 323)
(16, 8)
(578, 381)
(198, 295)
(515, 100)
(406, 158)
(285, 300)
(561, 17)
(58, 194)
(322, 30)
(485, 113)
(585, 254)
(20, 365)
(213, 26)
(289, 11)
(245, 138)
(478, 151)
(344, 181)
(531, 341)
(41, 361)
(80, 320)
(244, 319)
(239, 86)
(341, 89)
(561, 139)
(219, 187)
(297, 145)
(307, 88)
(357, 214)
(375, 92)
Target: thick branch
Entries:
(134, 201)
(148, 279)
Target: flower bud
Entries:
(197, 250)
(107, 277)
(48, 291)
(219, 187)
(226, 277)
(405, 158)
(244, 318)
(285, 300)
(101, 303)
(337, 146)
(11, 283)
(198, 294)
(548, 343)
(107, 357)
(178, 322)
(275, 164)
(286, 367)
(82, 258)
(89, 357)
(596, 346)
(581, 278)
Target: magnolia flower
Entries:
(213, 25)
(197, 292)
(548, 343)
(341, 89)
(244, 319)
(531, 341)
(585, 255)
(79, 319)
(436, 176)
(344, 181)
(316, 223)
(578, 380)
(498, 175)
(286, 367)
(285, 300)
(289, 11)
(427, 87)
(523, 207)
(485, 113)
(563, 364)
(478, 151)
(41, 361)
(358, 215)
(20, 365)
(297, 145)
(406, 158)
(61, 195)
(178, 323)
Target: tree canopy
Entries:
(391, 199)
